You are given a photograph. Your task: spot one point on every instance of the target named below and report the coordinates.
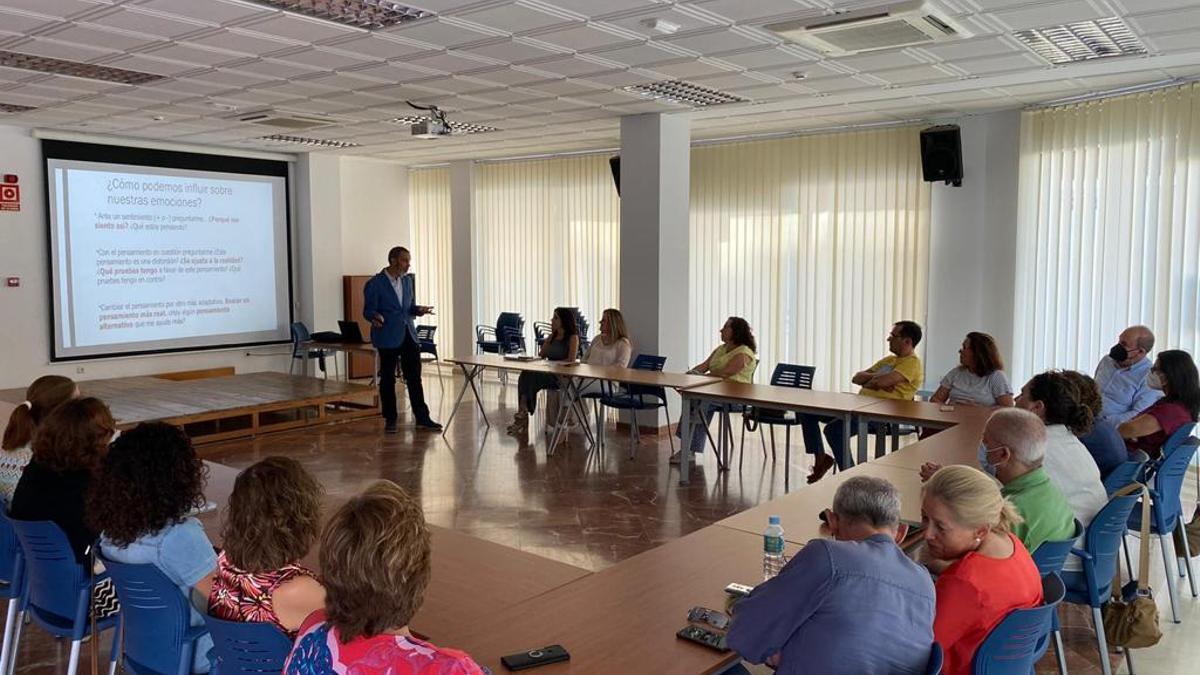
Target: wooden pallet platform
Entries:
(231, 406)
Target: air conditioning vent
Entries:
(282, 119)
(902, 24)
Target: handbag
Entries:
(1133, 624)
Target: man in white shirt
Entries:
(1121, 376)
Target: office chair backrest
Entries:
(1103, 541)
(1050, 555)
(1171, 470)
(299, 334)
(244, 648)
(1016, 643)
(425, 333)
(55, 579)
(155, 618)
(647, 362)
(1126, 472)
(792, 375)
(12, 563)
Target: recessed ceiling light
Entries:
(15, 108)
(311, 142)
(87, 71)
(679, 91)
(1082, 40)
(369, 14)
(457, 127)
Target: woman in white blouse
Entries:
(611, 348)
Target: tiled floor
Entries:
(587, 510)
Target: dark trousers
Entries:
(833, 435)
(409, 356)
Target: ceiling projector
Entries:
(431, 128)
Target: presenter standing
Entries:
(389, 303)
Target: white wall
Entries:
(374, 218)
(973, 244)
(348, 212)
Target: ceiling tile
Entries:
(277, 68)
(381, 46)
(448, 62)
(581, 38)
(132, 18)
(636, 22)
(244, 42)
(209, 11)
(437, 33)
(503, 75)
(740, 10)
(564, 87)
(63, 50)
(185, 53)
(510, 51)
(56, 8)
(571, 66)
(772, 57)
(12, 23)
(149, 64)
(593, 8)
(638, 55)
(112, 39)
(301, 28)
(714, 41)
(1036, 15)
(512, 18)
(689, 68)
(1001, 64)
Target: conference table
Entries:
(471, 577)
(918, 413)
(347, 348)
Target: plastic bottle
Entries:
(773, 558)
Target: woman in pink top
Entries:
(1174, 373)
(986, 571)
(375, 562)
(273, 519)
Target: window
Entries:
(429, 218)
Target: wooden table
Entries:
(956, 445)
(916, 413)
(801, 401)
(624, 619)
(799, 511)
(471, 577)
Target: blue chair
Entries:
(541, 332)
(58, 590)
(158, 637)
(784, 375)
(507, 336)
(12, 582)
(242, 648)
(1100, 556)
(300, 335)
(1165, 480)
(936, 657)
(635, 397)
(426, 345)
(1017, 642)
(1126, 472)
(1049, 558)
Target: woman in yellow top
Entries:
(735, 359)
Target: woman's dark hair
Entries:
(1181, 383)
(1063, 401)
(274, 515)
(1089, 391)
(742, 335)
(151, 478)
(566, 319)
(45, 394)
(986, 354)
(73, 436)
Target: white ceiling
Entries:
(548, 73)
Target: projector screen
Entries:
(154, 251)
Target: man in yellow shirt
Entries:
(898, 376)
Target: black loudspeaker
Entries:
(941, 155)
(614, 163)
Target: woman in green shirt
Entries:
(735, 359)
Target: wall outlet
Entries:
(78, 370)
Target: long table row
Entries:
(490, 600)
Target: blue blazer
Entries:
(380, 298)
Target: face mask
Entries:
(1154, 381)
(1118, 353)
(983, 460)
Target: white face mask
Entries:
(1154, 381)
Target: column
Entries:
(463, 320)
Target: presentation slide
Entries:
(153, 258)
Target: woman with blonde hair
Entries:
(45, 394)
(613, 347)
(968, 527)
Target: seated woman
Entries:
(979, 378)
(988, 572)
(613, 347)
(1174, 373)
(45, 394)
(735, 359)
(1103, 442)
(375, 562)
(273, 520)
(562, 345)
(68, 446)
(144, 490)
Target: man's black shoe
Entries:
(428, 424)
(390, 428)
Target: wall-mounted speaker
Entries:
(941, 154)
(614, 163)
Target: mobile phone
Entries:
(535, 657)
(946, 408)
(738, 590)
(712, 617)
(703, 636)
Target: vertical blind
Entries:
(820, 242)
(429, 221)
(546, 233)
(1109, 230)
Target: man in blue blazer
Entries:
(389, 303)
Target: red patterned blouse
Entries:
(238, 595)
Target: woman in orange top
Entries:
(988, 573)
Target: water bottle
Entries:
(773, 558)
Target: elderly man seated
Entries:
(1014, 445)
(838, 595)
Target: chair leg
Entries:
(11, 665)
(1101, 643)
(9, 628)
(670, 436)
(787, 457)
(1129, 659)
(742, 446)
(73, 664)
(1163, 542)
(114, 655)
(635, 438)
(1059, 653)
(1187, 556)
(1128, 560)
